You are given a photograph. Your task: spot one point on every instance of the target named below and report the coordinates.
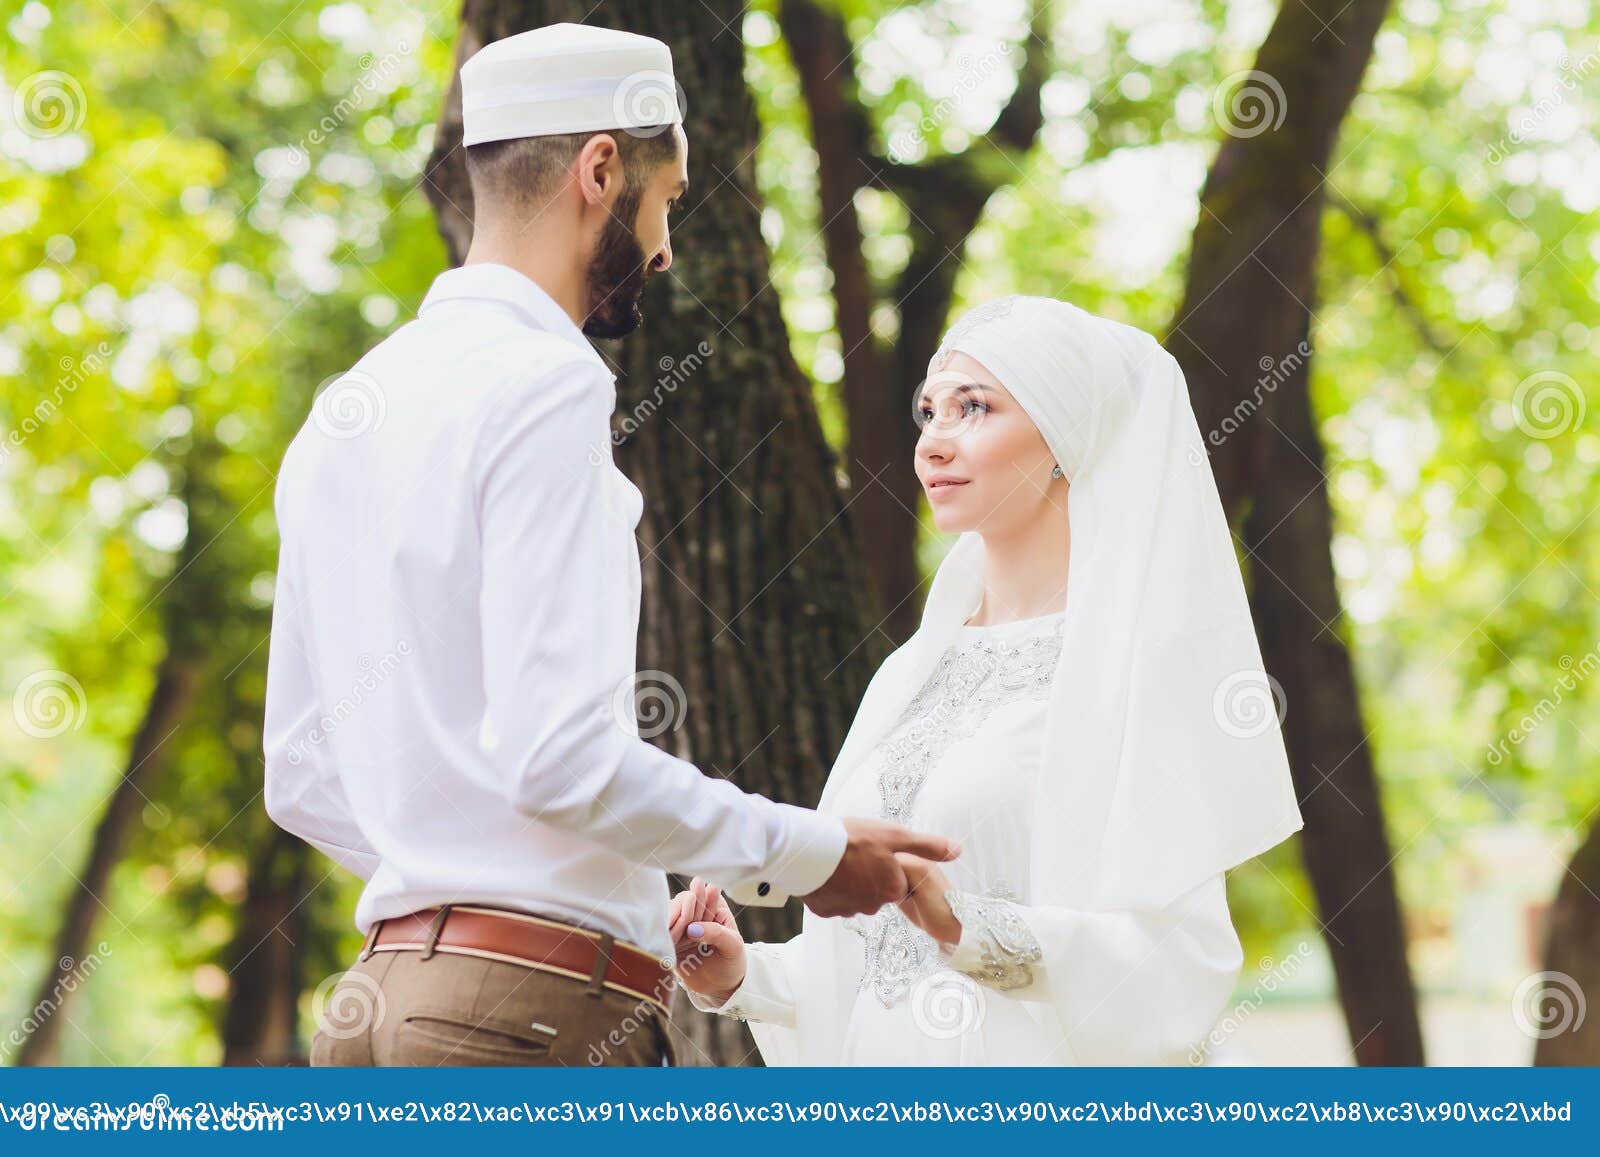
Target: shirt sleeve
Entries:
(1131, 987)
(558, 671)
(303, 793)
(766, 994)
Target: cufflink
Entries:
(763, 888)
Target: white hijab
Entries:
(1163, 761)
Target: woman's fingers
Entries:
(915, 867)
(677, 916)
(703, 902)
(723, 941)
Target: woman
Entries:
(1083, 707)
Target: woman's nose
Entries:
(932, 447)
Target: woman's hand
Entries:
(925, 905)
(706, 940)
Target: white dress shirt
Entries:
(450, 705)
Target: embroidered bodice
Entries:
(959, 761)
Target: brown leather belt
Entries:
(532, 941)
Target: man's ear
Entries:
(599, 169)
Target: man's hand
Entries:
(869, 874)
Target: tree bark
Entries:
(1247, 308)
(945, 197)
(1565, 1011)
(754, 596)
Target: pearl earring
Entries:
(1056, 473)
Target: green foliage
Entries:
(212, 210)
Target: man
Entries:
(450, 704)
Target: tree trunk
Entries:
(169, 700)
(945, 197)
(261, 1023)
(754, 597)
(1242, 337)
(880, 435)
(192, 604)
(1558, 1012)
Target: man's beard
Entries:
(616, 277)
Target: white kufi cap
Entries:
(567, 78)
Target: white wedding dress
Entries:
(960, 762)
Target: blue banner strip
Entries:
(1317, 1110)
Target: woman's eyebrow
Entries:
(960, 388)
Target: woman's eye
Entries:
(966, 407)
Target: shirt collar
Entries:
(490, 281)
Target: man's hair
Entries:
(526, 171)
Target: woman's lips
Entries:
(943, 489)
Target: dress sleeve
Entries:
(766, 994)
(1130, 987)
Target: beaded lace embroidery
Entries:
(970, 681)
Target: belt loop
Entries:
(602, 963)
(434, 929)
(372, 938)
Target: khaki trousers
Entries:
(396, 1008)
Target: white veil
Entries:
(1163, 761)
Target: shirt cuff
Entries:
(997, 948)
(806, 847)
(760, 996)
